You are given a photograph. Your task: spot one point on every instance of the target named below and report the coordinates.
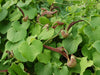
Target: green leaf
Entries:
(16, 70)
(44, 57)
(35, 29)
(60, 71)
(50, 1)
(64, 71)
(9, 3)
(18, 31)
(11, 46)
(96, 57)
(44, 20)
(98, 5)
(30, 39)
(4, 66)
(59, 1)
(87, 72)
(3, 14)
(95, 21)
(42, 69)
(15, 16)
(97, 72)
(19, 56)
(71, 43)
(22, 4)
(30, 12)
(46, 34)
(30, 52)
(56, 58)
(92, 33)
(96, 45)
(15, 36)
(86, 52)
(85, 64)
(16, 25)
(4, 27)
(72, 9)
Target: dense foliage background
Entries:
(23, 43)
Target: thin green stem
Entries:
(87, 22)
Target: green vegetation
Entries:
(49, 37)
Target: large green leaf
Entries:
(45, 56)
(24, 4)
(11, 46)
(16, 15)
(96, 57)
(15, 36)
(16, 70)
(9, 3)
(42, 69)
(3, 14)
(85, 64)
(92, 33)
(4, 27)
(30, 12)
(71, 43)
(62, 71)
(30, 52)
(19, 56)
(86, 52)
(50, 69)
(18, 31)
(96, 45)
(46, 34)
(95, 21)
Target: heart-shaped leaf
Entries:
(30, 52)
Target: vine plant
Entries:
(31, 30)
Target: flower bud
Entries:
(65, 35)
(25, 18)
(72, 62)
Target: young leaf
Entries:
(44, 20)
(85, 64)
